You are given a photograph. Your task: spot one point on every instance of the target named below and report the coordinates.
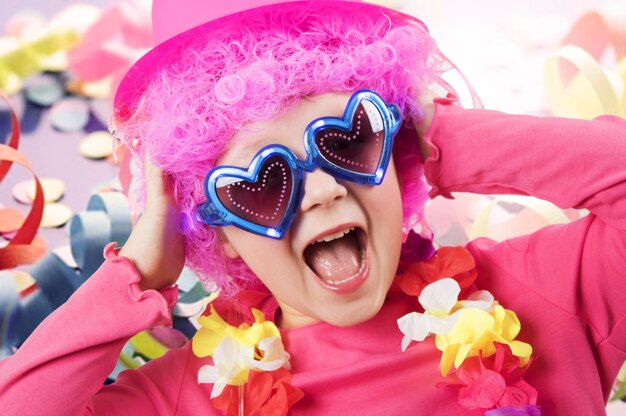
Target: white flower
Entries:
(230, 365)
(481, 299)
(274, 355)
(438, 299)
(232, 362)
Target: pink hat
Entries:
(174, 23)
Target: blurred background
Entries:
(60, 62)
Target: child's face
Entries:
(343, 281)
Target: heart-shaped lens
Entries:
(263, 202)
(359, 149)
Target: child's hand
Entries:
(422, 125)
(156, 246)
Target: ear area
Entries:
(228, 248)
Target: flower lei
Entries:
(249, 354)
(480, 355)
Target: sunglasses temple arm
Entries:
(207, 214)
(396, 117)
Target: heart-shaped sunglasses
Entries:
(264, 198)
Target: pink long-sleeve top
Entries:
(565, 282)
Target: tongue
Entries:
(335, 260)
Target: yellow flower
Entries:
(214, 329)
(476, 330)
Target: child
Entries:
(311, 248)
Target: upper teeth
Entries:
(335, 236)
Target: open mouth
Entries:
(339, 260)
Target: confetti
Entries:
(21, 191)
(55, 215)
(44, 90)
(53, 189)
(97, 145)
(70, 115)
(11, 83)
(100, 89)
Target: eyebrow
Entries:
(249, 147)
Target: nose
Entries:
(321, 189)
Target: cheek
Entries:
(264, 256)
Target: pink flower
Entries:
(493, 383)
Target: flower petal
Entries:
(415, 327)
(218, 388)
(481, 299)
(521, 349)
(442, 325)
(274, 355)
(440, 296)
(483, 393)
(207, 374)
(447, 358)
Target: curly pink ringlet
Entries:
(195, 91)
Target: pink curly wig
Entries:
(255, 66)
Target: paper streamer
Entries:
(551, 213)
(590, 93)
(9, 314)
(56, 282)
(23, 247)
(55, 279)
(30, 57)
(113, 43)
(34, 309)
(116, 206)
(146, 345)
(107, 219)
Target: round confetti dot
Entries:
(100, 89)
(56, 62)
(44, 90)
(97, 145)
(12, 84)
(53, 189)
(55, 215)
(70, 115)
(21, 190)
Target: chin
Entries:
(350, 316)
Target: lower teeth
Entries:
(347, 279)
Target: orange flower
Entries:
(454, 262)
(266, 393)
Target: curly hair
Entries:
(254, 66)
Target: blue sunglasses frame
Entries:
(214, 213)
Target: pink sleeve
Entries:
(61, 367)
(580, 267)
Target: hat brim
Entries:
(139, 76)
